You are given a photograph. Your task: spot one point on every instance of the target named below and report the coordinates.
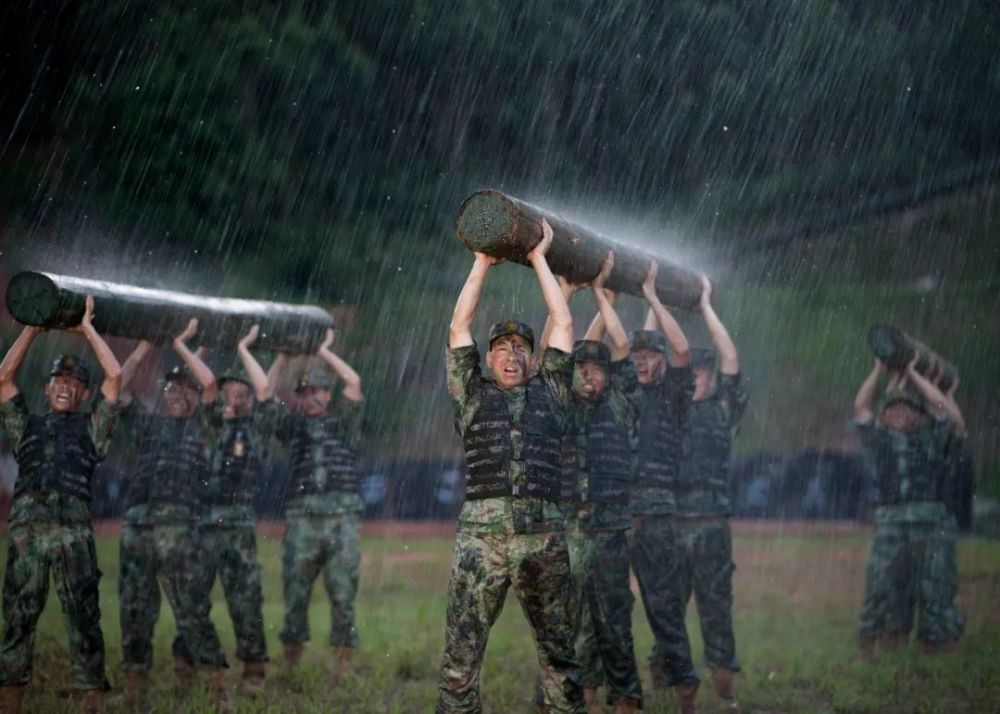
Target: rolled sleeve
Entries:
(556, 371)
(14, 420)
(464, 374)
(103, 419)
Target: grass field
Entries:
(797, 594)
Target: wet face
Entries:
(509, 361)
(313, 401)
(704, 380)
(64, 393)
(649, 365)
(902, 416)
(237, 399)
(589, 380)
(181, 398)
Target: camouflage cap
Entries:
(703, 357)
(512, 328)
(180, 373)
(234, 374)
(314, 377)
(592, 351)
(71, 366)
(649, 340)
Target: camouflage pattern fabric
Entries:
(484, 567)
(327, 545)
(67, 551)
(655, 560)
(705, 555)
(231, 552)
(163, 556)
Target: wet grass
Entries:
(796, 603)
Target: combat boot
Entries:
(687, 696)
(11, 698)
(215, 680)
(722, 679)
(136, 686)
(344, 667)
(591, 700)
(92, 702)
(254, 674)
(293, 654)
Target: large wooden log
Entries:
(494, 223)
(896, 349)
(57, 302)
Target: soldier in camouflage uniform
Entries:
(510, 529)
(911, 566)
(323, 505)
(667, 389)
(242, 422)
(50, 527)
(704, 542)
(160, 543)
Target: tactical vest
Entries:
(906, 467)
(172, 462)
(489, 448)
(707, 445)
(69, 462)
(237, 476)
(606, 456)
(321, 459)
(659, 447)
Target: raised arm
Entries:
(606, 312)
(936, 400)
(567, 289)
(866, 394)
(111, 386)
(131, 367)
(679, 347)
(350, 378)
(200, 370)
(12, 362)
(561, 335)
(959, 426)
(729, 361)
(275, 370)
(258, 378)
(460, 330)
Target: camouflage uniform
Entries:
(663, 419)
(228, 525)
(702, 523)
(321, 517)
(598, 547)
(50, 531)
(160, 545)
(509, 536)
(911, 567)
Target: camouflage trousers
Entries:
(67, 551)
(484, 567)
(164, 556)
(705, 558)
(655, 561)
(602, 612)
(231, 552)
(912, 570)
(327, 545)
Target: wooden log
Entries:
(896, 349)
(494, 223)
(57, 302)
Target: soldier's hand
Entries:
(87, 321)
(602, 277)
(327, 339)
(488, 259)
(544, 244)
(953, 388)
(250, 337)
(706, 291)
(190, 331)
(649, 284)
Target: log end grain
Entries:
(33, 299)
(486, 223)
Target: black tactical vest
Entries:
(906, 466)
(238, 467)
(660, 436)
(321, 458)
(489, 448)
(69, 462)
(173, 467)
(606, 455)
(707, 444)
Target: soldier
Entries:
(911, 563)
(702, 524)
(50, 527)
(322, 506)
(598, 472)
(160, 544)
(510, 529)
(667, 389)
(242, 422)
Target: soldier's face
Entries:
(589, 380)
(900, 416)
(180, 397)
(509, 361)
(704, 380)
(64, 393)
(237, 399)
(313, 401)
(649, 365)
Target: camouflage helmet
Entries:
(180, 373)
(703, 357)
(71, 366)
(313, 376)
(512, 327)
(649, 340)
(592, 351)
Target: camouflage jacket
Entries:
(703, 481)
(508, 514)
(623, 397)
(43, 504)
